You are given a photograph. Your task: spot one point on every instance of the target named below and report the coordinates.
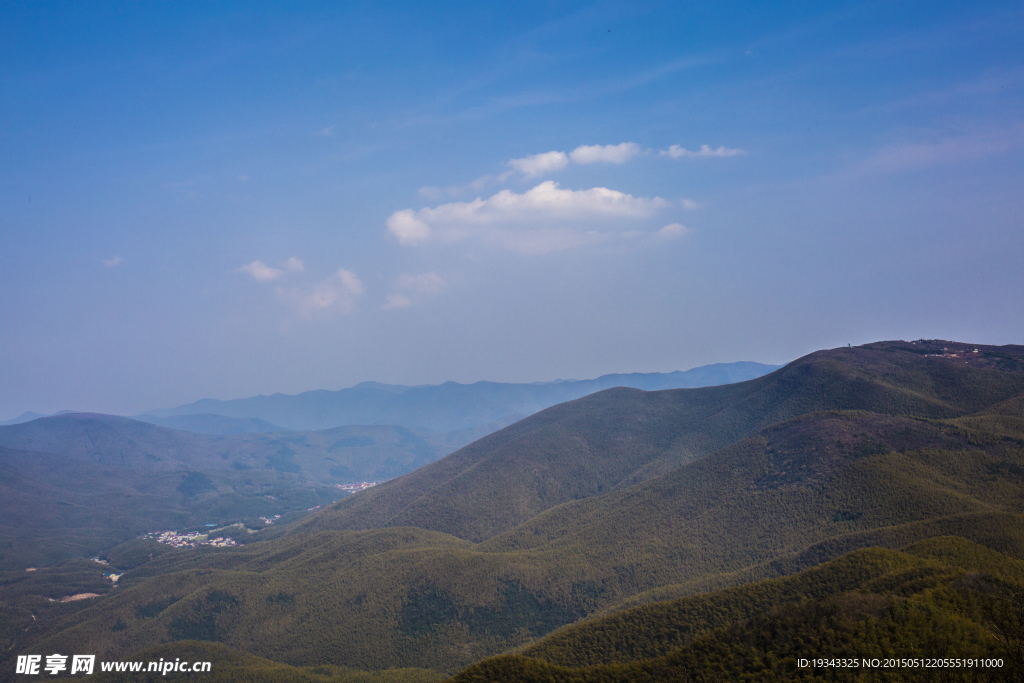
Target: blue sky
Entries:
(226, 199)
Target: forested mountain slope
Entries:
(941, 599)
(923, 446)
(621, 437)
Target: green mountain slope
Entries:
(621, 437)
(942, 598)
(53, 508)
(782, 498)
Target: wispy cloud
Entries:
(414, 289)
(112, 261)
(295, 264)
(424, 284)
(997, 82)
(612, 154)
(397, 301)
(540, 164)
(260, 271)
(673, 230)
(478, 185)
(548, 162)
(337, 292)
(327, 132)
(540, 220)
(705, 152)
(943, 152)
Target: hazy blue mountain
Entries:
(449, 406)
(205, 423)
(337, 455)
(24, 417)
(78, 483)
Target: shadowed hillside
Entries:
(622, 437)
(941, 598)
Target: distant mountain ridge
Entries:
(204, 423)
(28, 417)
(445, 407)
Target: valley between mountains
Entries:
(859, 502)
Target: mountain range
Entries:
(865, 501)
(439, 408)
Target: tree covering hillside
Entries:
(53, 508)
(941, 599)
(621, 437)
(878, 447)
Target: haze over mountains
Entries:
(83, 482)
(78, 483)
(438, 408)
(611, 502)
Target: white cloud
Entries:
(534, 222)
(405, 226)
(691, 205)
(673, 230)
(481, 183)
(427, 283)
(705, 151)
(612, 154)
(112, 261)
(295, 264)
(416, 288)
(544, 202)
(431, 191)
(539, 164)
(397, 301)
(339, 292)
(327, 132)
(260, 271)
(349, 281)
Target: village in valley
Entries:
(191, 539)
(194, 539)
(357, 486)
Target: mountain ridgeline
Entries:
(622, 437)
(858, 502)
(439, 408)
